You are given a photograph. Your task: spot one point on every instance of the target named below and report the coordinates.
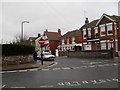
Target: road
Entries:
(68, 73)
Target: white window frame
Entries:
(63, 41)
(103, 47)
(67, 40)
(109, 24)
(84, 33)
(89, 32)
(96, 29)
(102, 30)
(73, 39)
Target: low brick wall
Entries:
(91, 54)
(62, 53)
(13, 60)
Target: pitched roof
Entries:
(95, 22)
(113, 17)
(71, 34)
(53, 35)
(91, 24)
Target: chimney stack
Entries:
(86, 21)
(46, 30)
(59, 31)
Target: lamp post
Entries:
(22, 29)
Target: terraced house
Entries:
(70, 41)
(98, 34)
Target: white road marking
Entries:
(65, 68)
(94, 81)
(108, 80)
(84, 82)
(45, 69)
(115, 79)
(61, 83)
(17, 87)
(3, 86)
(100, 65)
(115, 64)
(46, 86)
(102, 81)
(75, 83)
(56, 68)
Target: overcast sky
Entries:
(67, 16)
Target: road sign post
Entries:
(41, 42)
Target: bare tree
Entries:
(19, 40)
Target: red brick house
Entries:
(97, 34)
(72, 40)
(51, 41)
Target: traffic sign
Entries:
(111, 41)
(41, 41)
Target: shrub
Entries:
(17, 49)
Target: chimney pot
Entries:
(59, 31)
(86, 21)
(39, 35)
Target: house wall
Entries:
(104, 38)
(53, 45)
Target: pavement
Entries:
(35, 64)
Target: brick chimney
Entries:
(59, 31)
(39, 35)
(46, 30)
(86, 21)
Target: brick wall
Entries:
(62, 53)
(91, 54)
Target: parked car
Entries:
(47, 56)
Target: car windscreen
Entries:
(47, 54)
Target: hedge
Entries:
(17, 49)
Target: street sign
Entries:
(41, 41)
(111, 41)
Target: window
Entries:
(73, 39)
(109, 45)
(63, 41)
(89, 32)
(103, 45)
(84, 33)
(102, 29)
(67, 40)
(109, 29)
(96, 31)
